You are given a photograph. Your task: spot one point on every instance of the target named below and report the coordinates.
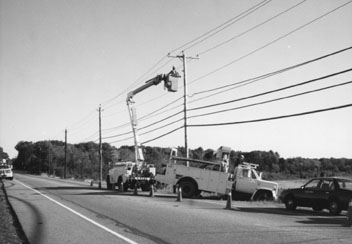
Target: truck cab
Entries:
(248, 181)
(119, 173)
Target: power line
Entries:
(136, 81)
(147, 116)
(161, 120)
(272, 100)
(238, 18)
(253, 28)
(273, 118)
(261, 77)
(248, 81)
(270, 43)
(165, 134)
(149, 125)
(83, 121)
(273, 91)
(226, 24)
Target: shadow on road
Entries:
(308, 216)
(93, 191)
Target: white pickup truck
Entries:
(214, 177)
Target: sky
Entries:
(61, 60)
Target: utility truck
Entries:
(215, 177)
(130, 174)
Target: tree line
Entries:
(82, 160)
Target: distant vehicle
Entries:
(6, 173)
(332, 193)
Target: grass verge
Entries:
(11, 231)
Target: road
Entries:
(60, 211)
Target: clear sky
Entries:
(59, 60)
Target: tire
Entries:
(334, 207)
(189, 189)
(125, 186)
(290, 203)
(264, 196)
(145, 187)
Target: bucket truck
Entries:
(127, 175)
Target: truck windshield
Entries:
(254, 174)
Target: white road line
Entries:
(82, 216)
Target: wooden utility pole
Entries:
(65, 166)
(184, 58)
(100, 151)
(50, 159)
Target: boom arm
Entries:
(170, 82)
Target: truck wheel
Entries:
(263, 196)
(188, 189)
(125, 186)
(145, 187)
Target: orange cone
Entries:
(179, 193)
(229, 200)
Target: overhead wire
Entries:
(271, 42)
(272, 118)
(236, 19)
(231, 101)
(251, 29)
(278, 40)
(273, 91)
(227, 23)
(165, 134)
(217, 29)
(136, 81)
(249, 81)
(272, 100)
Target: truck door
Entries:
(245, 182)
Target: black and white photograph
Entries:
(176, 122)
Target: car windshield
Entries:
(312, 184)
(345, 184)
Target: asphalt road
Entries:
(59, 211)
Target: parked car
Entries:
(332, 193)
(6, 173)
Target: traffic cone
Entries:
(349, 214)
(151, 193)
(179, 193)
(229, 200)
(135, 190)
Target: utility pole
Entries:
(50, 159)
(65, 166)
(100, 151)
(185, 94)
